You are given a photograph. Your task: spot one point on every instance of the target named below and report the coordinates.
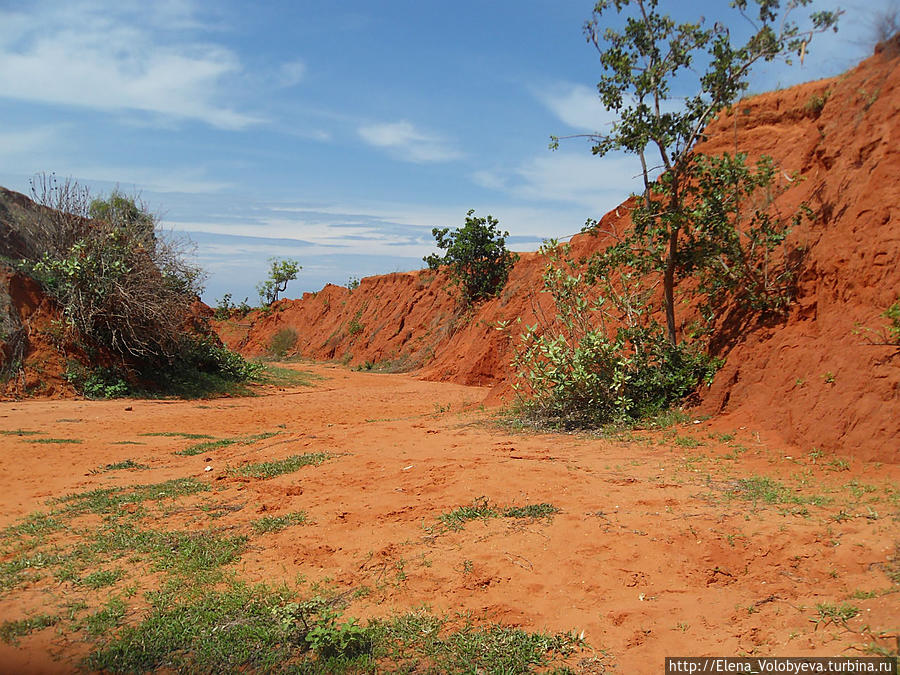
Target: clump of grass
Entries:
(535, 511)
(19, 432)
(126, 464)
(176, 434)
(482, 509)
(828, 613)
(11, 631)
(101, 578)
(278, 523)
(206, 446)
(274, 468)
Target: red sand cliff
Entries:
(813, 377)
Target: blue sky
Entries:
(336, 133)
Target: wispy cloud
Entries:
(404, 141)
(292, 73)
(97, 55)
(597, 184)
(577, 106)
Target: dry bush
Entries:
(120, 283)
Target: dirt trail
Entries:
(648, 555)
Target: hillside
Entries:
(812, 378)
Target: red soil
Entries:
(812, 378)
(647, 556)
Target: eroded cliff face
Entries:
(812, 377)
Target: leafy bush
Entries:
(97, 383)
(281, 273)
(282, 342)
(225, 309)
(476, 255)
(603, 359)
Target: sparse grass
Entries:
(258, 629)
(278, 523)
(109, 500)
(19, 432)
(55, 440)
(482, 509)
(285, 377)
(177, 434)
(102, 578)
(105, 620)
(687, 442)
(828, 614)
(770, 491)
(127, 464)
(263, 470)
(206, 446)
(11, 631)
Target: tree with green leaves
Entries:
(476, 256)
(281, 273)
(646, 64)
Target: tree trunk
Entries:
(669, 286)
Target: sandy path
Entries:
(646, 555)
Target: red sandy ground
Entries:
(647, 556)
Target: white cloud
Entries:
(19, 145)
(577, 106)
(406, 142)
(90, 55)
(577, 179)
(292, 73)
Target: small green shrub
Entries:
(97, 383)
(225, 309)
(355, 327)
(282, 342)
(346, 640)
(476, 256)
(603, 359)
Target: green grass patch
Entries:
(19, 432)
(770, 491)
(286, 377)
(828, 614)
(11, 631)
(482, 509)
(278, 523)
(106, 619)
(127, 464)
(110, 500)
(177, 434)
(101, 578)
(206, 446)
(278, 467)
(259, 629)
(55, 440)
